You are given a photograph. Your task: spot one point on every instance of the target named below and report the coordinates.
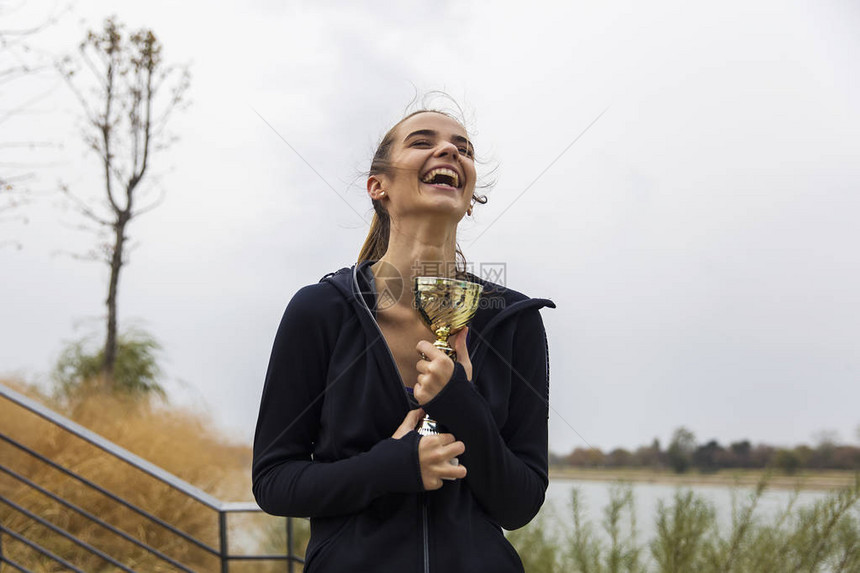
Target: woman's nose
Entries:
(447, 148)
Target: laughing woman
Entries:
(353, 371)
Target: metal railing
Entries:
(221, 509)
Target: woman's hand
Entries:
(436, 369)
(435, 453)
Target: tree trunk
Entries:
(110, 350)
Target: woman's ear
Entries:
(374, 187)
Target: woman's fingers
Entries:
(444, 447)
(426, 388)
(434, 371)
(428, 351)
(435, 454)
(453, 471)
(408, 424)
(429, 354)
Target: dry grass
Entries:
(181, 442)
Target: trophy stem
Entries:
(443, 346)
(446, 306)
(442, 333)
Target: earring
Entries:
(469, 212)
(381, 194)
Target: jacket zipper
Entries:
(426, 531)
(381, 336)
(425, 526)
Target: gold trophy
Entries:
(446, 305)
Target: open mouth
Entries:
(442, 176)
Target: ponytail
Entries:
(376, 242)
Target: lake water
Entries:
(595, 496)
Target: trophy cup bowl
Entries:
(446, 305)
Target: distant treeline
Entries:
(683, 453)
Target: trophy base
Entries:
(443, 346)
(430, 427)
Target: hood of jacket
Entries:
(497, 303)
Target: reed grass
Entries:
(821, 537)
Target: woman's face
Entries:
(432, 167)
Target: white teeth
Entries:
(442, 171)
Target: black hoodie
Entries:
(332, 399)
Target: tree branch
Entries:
(83, 207)
(24, 106)
(155, 203)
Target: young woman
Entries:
(353, 371)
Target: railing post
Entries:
(290, 562)
(222, 533)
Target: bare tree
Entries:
(128, 95)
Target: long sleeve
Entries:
(507, 467)
(286, 478)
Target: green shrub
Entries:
(136, 371)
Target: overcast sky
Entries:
(700, 238)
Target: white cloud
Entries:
(697, 239)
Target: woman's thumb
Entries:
(460, 342)
(414, 417)
(409, 423)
